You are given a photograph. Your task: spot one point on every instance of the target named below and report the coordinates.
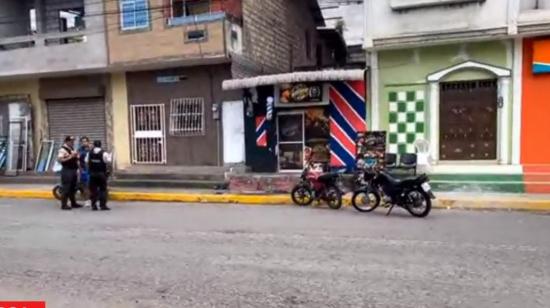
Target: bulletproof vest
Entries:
(72, 163)
(96, 163)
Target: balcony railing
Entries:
(195, 19)
(48, 39)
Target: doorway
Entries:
(148, 134)
(299, 129)
(290, 131)
(468, 120)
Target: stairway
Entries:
(536, 179)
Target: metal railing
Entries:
(187, 116)
(47, 39)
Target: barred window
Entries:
(187, 116)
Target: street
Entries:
(174, 255)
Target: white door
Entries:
(148, 134)
(233, 132)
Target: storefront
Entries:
(288, 113)
(457, 98)
(535, 97)
(174, 115)
(77, 106)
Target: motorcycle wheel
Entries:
(333, 197)
(57, 192)
(419, 203)
(301, 195)
(365, 200)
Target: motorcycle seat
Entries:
(409, 180)
(328, 176)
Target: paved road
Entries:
(142, 255)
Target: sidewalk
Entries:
(473, 201)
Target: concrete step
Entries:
(170, 176)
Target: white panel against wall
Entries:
(233, 132)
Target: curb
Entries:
(515, 204)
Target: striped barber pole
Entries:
(348, 113)
(261, 131)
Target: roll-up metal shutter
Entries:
(77, 117)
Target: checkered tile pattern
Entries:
(407, 115)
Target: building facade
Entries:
(144, 76)
(39, 42)
(459, 76)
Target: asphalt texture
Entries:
(172, 255)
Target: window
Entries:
(71, 19)
(416, 4)
(134, 14)
(182, 8)
(195, 35)
(187, 116)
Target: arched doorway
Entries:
(469, 118)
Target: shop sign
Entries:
(371, 149)
(300, 93)
(170, 79)
(541, 57)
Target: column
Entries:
(373, 89)
(504, 120)
(517, 101)
(434, 121)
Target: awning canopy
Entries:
(313, 76)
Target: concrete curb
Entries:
(517, 204)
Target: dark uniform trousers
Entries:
(69, 180)
(98, 189)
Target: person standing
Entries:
(97, 161)
(68, 158)
(83, 150)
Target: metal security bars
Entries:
(187, 116)
(148, 134)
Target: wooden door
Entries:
(468, 120)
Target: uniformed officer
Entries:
(68, 158)
(97, 161)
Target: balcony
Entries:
(393, 23)
(50, 36)
(534, 17)
(187, 33)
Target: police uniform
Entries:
(97, 168)
(69, 178)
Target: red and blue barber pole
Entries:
(261, 131)
(348, 113)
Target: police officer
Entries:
(68, 158)
(97, 161)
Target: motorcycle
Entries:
(317, 186)
(413, 194)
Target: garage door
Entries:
(77, 117)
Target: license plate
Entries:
(426, 187)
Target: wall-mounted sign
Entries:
(541, 56)
(301, 93)
(171, 79)
(371, 149)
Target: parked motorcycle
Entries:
(317, 186)
(413, 194)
